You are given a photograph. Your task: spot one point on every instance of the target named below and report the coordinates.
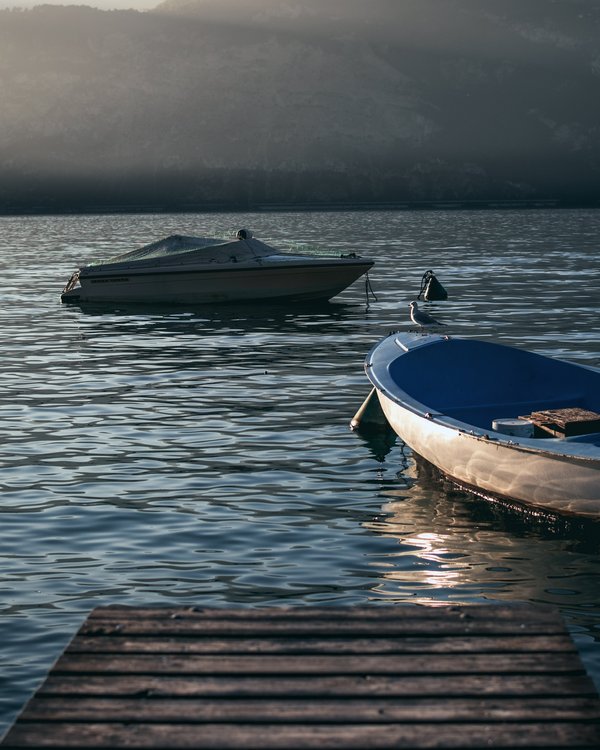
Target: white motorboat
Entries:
(199, 270)
(495, 419)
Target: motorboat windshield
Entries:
(179, 249)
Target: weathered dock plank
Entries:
(261, 664)
(441, 644)
(314, 710)
(277, 737)
(366, 685)
(367, 677)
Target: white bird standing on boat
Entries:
(422, 319)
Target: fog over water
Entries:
(247, 104)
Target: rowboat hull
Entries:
(550, 482)
(561, 476)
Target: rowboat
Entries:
(198, 270)
(497, 420)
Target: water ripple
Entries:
(203, 456)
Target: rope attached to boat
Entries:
(369, 293)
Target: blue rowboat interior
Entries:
(478, 382)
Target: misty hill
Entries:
(248, 102)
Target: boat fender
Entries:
(370, 416)
(431, 289)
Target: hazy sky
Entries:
(102, 4)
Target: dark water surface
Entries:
(203, 457)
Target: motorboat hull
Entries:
(192, 270)
(561, 476)
(313, 280)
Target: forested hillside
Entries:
(253, 102)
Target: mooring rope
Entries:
(424, 281)
(369, 293)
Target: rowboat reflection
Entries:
(453, 546)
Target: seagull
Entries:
(422, 319)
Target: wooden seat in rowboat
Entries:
(566, 422)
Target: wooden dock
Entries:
(489, 676)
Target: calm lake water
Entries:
(203, 457)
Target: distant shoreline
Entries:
(423, 205)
